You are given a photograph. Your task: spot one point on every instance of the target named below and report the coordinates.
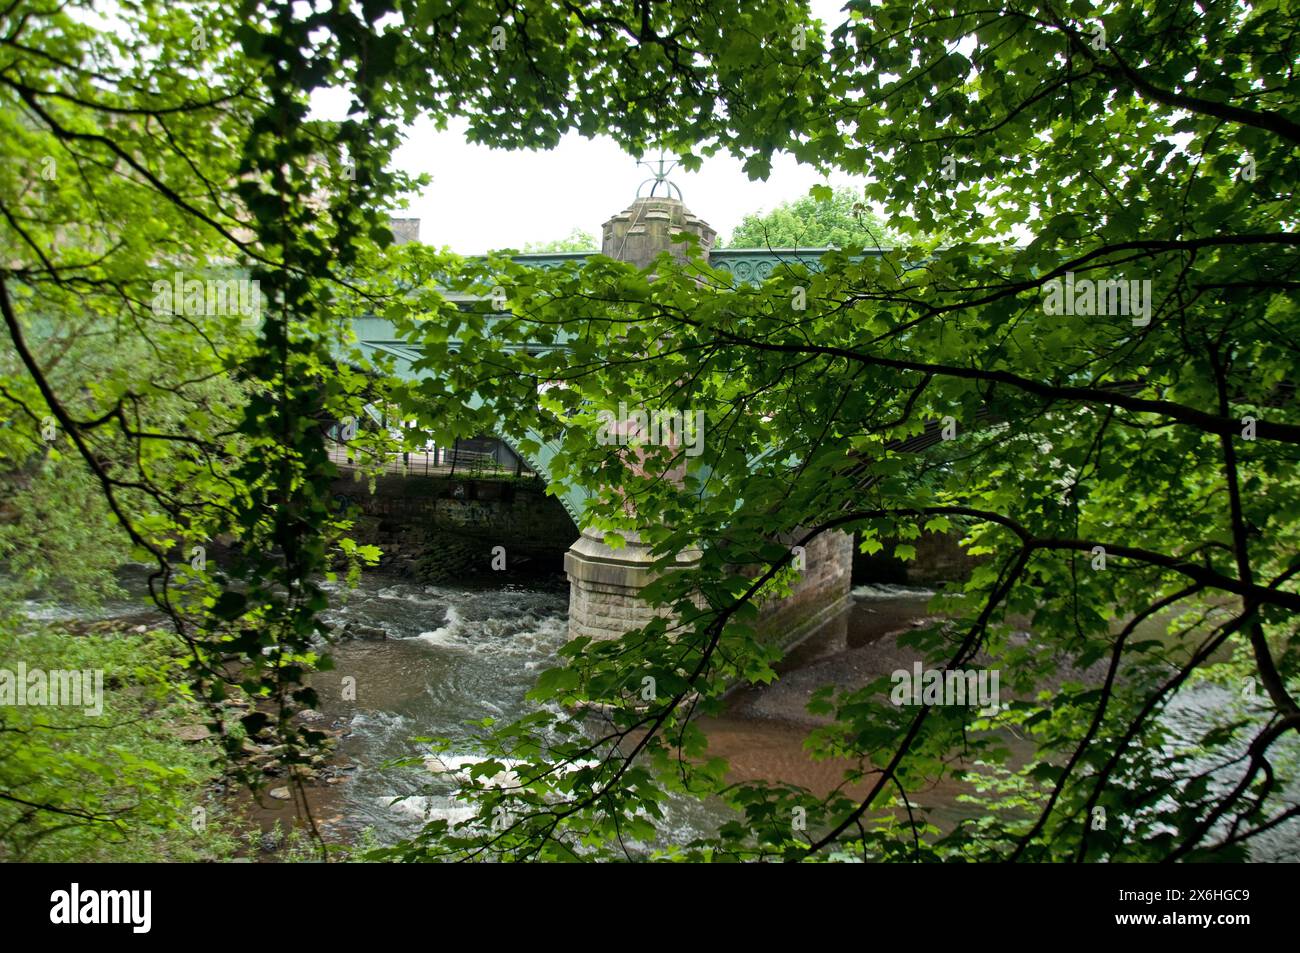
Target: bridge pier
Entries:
(605, 587)
(605, 584)
(824, 590)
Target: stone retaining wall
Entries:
(442, 530)
(515, 514)
(823, 590)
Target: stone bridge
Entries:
(605, 583)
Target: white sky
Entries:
(482, 198)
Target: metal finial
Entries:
(660, 178)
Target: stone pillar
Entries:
(639, 234)
(605, 586)
(605, 583)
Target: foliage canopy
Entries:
(1080, 142)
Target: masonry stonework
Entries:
(605, 586)
(640, 233)
(824, 588)
(605, 583)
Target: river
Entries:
(438, 657)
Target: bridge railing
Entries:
(434, 461)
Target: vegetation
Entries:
(839, 219)
(1121, 464)
(576, 240)
(119, 784)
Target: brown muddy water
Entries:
(450, 655)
